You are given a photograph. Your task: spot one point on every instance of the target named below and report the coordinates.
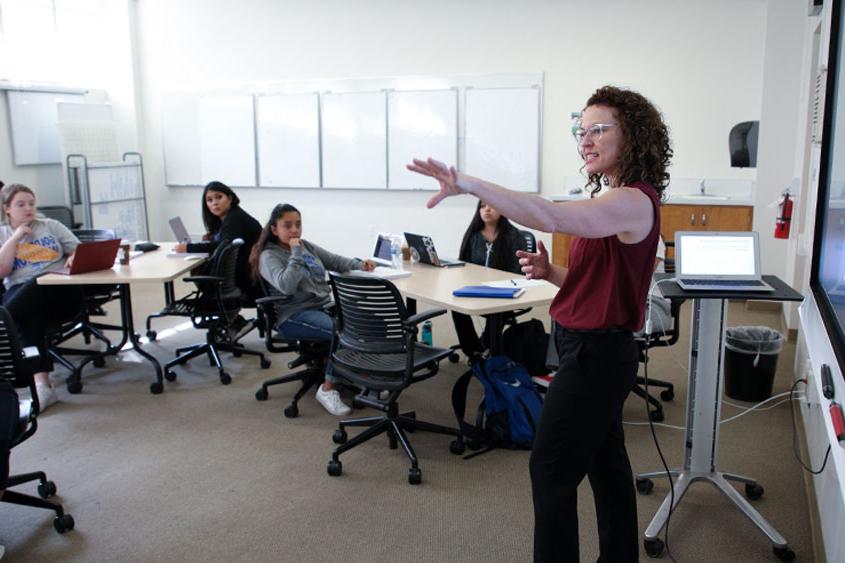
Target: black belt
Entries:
(593, 330)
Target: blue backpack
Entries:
(510, 412)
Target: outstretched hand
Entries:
(451, 183)
(535, 265)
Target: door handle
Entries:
(704, 219)
(692, 219)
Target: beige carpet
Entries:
(205, 472)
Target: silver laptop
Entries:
(718, 261)
(179, 230)
(381, 251)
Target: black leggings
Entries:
(580, 434)
(35, 308)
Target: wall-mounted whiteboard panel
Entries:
(288, 133)
(34, 121)
(127, 218)
(503, 136)
(181, 140)
(227, 140)
(420, 125)
(354, 140)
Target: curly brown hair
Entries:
(647, 147)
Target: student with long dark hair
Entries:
(225, 220)
(31, 246)
(490, 240)
(296, 268)
(624, 144)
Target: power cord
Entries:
(795, 436)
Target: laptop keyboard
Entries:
(725, 283)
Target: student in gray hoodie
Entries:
(296, 268)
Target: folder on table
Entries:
(488, 291)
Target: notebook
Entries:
(382, 272)
(487, 291)
(179, 230)
(718, 261)
(90, 257)
(422, 248)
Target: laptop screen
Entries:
(382, 248)
(717, 254)
(179, 230)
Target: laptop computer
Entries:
(381, 251)
(422, 248)
(91, 257)
(179, 230)
(718, 261)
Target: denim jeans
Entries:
(310, 324)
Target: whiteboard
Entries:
(109, 182)
(420, 124)
(354, 140)
(180, 139)
(503, 136)
(34, 120)
(288, 133)
(127, 218)
(227, 140)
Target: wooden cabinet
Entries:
(679, 218)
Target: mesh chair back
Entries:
(60, 213)
(13, 366)
(224, 263)
(370, 312)
(530, 241)
(93, 235)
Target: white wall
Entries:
(701, 62)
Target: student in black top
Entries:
(490, 240)
(225, 220)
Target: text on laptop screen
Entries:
(717, 256)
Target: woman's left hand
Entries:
(69, 261)
(368, 266)
(451, 183)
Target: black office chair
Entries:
(213, 306)
(375, 347)
(18, 421)
(312, 354)
(530, 241)
(60, 213)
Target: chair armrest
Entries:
(270, 300)
(216, 279)
(424, 316)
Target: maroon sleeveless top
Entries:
(608, 281)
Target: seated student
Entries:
(296, 268)
(490, 240)
(30, 245)
(224, 219)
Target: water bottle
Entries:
(396, 253)
(426, 333)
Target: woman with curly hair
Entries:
(624, 144)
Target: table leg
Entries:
(129, 323)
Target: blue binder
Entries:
(488, 291)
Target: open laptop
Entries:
(422, 247)
(718, 261)
(91, 257)
(381, 251)
(179, 230)
(384, 263)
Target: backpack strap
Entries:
(459, 403)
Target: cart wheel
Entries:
(654, 548)
(753, 491)
(667, 394)
(644, 485)
(783, 553)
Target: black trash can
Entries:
(751, 360)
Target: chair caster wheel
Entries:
(475, 444)
(99, 362)
(457, 447)
(656, 416)
(644, 485)
(414, 476)
(156, 388)
(170, 375)
(74, 387)
(262, 394)
(63, 523)
(454, 357)
(753, 491)
(339, 436)
(653, 548)
(335, 468)
(783, 553)
(225, 378)
(265, 363)
(291, 411)
(151, 335)
(237, 353)
(667, 394)
(46, 489)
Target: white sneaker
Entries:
(46, 396)
(332, 402)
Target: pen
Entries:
(513, 282)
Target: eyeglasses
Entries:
(593, 131)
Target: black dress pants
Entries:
(35, 308)
(580, 434)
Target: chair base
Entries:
(212, 349)
(63, 522)
(668, 394)
(395, 425)
(310, 377)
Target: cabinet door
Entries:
(560, 249)
(678, 218)
(726, 218)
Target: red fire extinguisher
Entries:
(784, 218)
